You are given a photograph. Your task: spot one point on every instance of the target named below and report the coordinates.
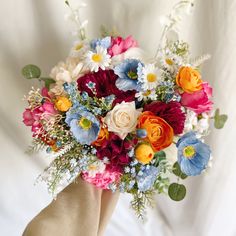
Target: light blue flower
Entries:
(104, 42)
(83, 124)
(128, 75)
(147, 177)
(193, 154)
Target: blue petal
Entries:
(126, 84)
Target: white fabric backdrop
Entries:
(35, 32)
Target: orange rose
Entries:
(102, 136)
(159, 133)
(189, 79)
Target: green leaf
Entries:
(177, 192)
(160, 155)
(31, 72)
(219, 119)
(177, 171)
(47, 81)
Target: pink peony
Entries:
(103, 180)
(198, 101)
(120, 45)
(171, 112)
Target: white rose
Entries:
(122, 119)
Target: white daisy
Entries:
(170, 61)
(148, 76)
(79, 48)
(96, 167)
(145, 95)
(97, 59)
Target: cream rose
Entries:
(122, 119)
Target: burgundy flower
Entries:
(116, 150)
(104, 85)
(171, 112)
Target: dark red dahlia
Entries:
(171, 112)
(105, 81)
(116, 150)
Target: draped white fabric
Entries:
(35, 32)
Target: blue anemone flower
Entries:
(193, 154)
(146, 177)
(83, 124)
(128, 75)
(104, 42)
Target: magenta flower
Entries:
(103, 180)
(171, 112)
(198, 101)
(120, 45)
(33, 117)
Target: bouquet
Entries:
(110, 113)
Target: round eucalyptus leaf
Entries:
(177, 192)
(31, 71)
(177, 171)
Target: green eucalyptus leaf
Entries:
(177, 171)
(160, 155)
(47, 81)
(31, 71)
(177, 192)
(219, 119)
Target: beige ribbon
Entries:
(80, 209)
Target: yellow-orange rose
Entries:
(63, 104)
(102, 136)
(159, 133)
(189, 79)
(144, 153)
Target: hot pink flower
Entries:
(32, 117)
(120, 45)
(199, 101)
(103, 180)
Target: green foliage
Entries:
(105, 32)
(219, 119)
(47, 82)
(177, 171)
(177, 192)
(31, 71)
(140, 201)
(34, 72)
(36, 146)
(179, 48)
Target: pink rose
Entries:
(120, 45)
(198, 101)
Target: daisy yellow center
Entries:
(97, 57)
(169, 61)
(78, 46)
(92, 167)
(189, 152)
(132, 75)
(85, 123)
(147, 93)
(151, 77)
